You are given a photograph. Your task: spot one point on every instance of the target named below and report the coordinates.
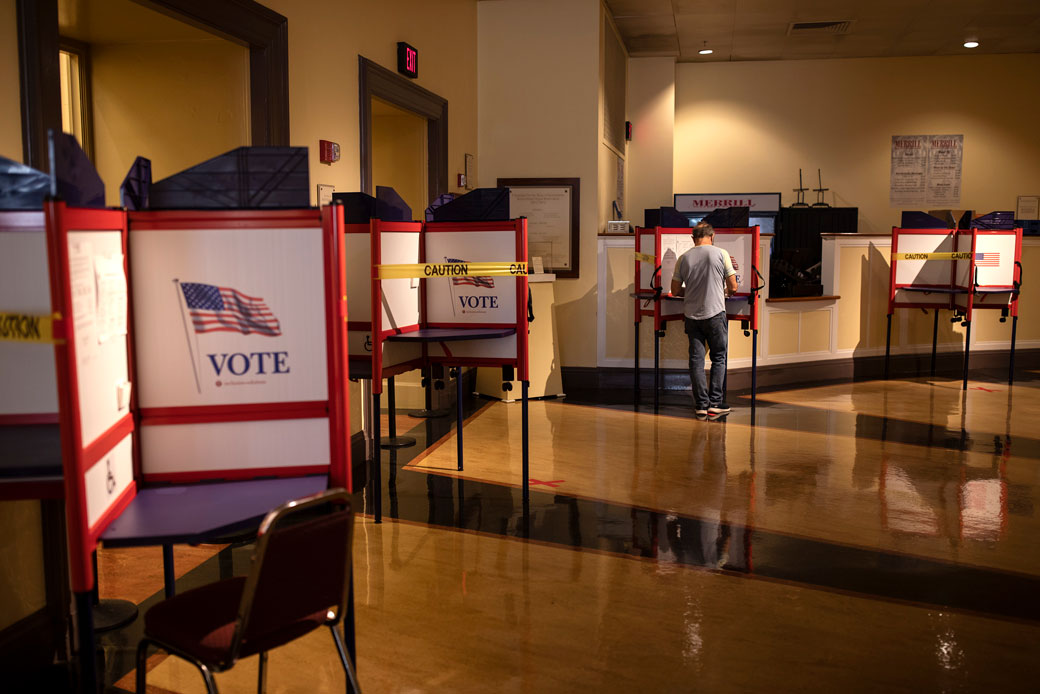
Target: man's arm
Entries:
(731, 285)
(731, 274)
(677, 288)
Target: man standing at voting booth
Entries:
(704, 277)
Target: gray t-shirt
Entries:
(703, 270)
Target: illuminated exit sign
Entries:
(407, 60)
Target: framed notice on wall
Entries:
(551, 206)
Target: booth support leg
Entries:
(635, 382)
(754, 372)
(935, 338)
(169, 577)
(1011, 367)
(348, 623)
(393, 440)
(377, 459)
(88, 672)
(888, 343)
(967, 354)
(657, 370)
(458, 416)
(525, 453)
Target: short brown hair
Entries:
(702, 230)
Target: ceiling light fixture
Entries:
(705, 50)
(971, 43)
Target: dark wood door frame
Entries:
(376, 81)
(244, 22)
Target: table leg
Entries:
(169, 577)
(458, 415)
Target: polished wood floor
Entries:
(876, 536)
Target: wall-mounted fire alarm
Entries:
(328, 152)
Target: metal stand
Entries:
(1011, 367)
(657, 369)
(935, 337)
(888, 343)
(754, 372)
(110, 613)
(428, 411)
(393, 440)
(525, 456)
(88, 673)
(967, 353)
(635, 383)
(458, 415)
(377, 459)
(169, 577)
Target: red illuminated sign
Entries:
(407, 60)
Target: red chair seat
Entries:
(201, 622)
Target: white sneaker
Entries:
(701, 413)
(716, 411)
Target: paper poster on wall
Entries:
(84, 300)
(926, 170)
(548, 212)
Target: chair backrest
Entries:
(299, 568)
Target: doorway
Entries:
(399, 154)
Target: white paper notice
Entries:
(111, 297)
(84, 302)
(1028, 207)
(548, 212)
(926, 170)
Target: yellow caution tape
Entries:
(433, 270)
(22, 327)
(960, 255)
(645, 258)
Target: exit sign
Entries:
(407, 60)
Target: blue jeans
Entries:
(714, 331)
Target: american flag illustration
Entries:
(223, 309)
(488, 282)
(987, 259)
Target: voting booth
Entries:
(198, 371)
(30, 462)
(958, 270)
(438, 294)
(657, 251)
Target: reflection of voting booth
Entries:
(659, 248)
(235, 344)
(441, 294)
(956, 270)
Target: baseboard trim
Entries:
(947, 364)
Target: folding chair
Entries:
(298, 581)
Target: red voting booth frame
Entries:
(654, 297)
(79, 455)
(460, 330)
(961, 298)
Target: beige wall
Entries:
(749, 126)
(10, 92)
(325, 39)
(177, 103)
(539, 107)
(651, 107)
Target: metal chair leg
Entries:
(261, 677)
(207, 676)
(142, 666)
(352, 683)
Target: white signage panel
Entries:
(108, 478)
(229, 316)
(26, 369)
(478, 300)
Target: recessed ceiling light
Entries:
(971, 43)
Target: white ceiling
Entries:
(758, 29)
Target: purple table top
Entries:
(452, 334)
(194, 513)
